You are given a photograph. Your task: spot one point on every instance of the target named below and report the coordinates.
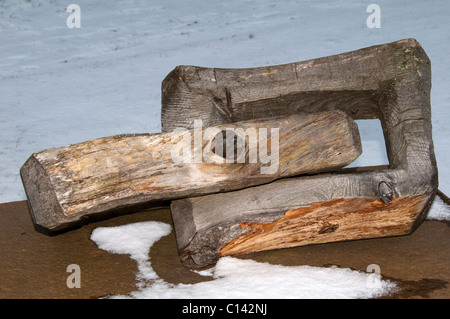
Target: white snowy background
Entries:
(60, 86)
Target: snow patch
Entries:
(62, 86)
(439, 210)
(236, 278)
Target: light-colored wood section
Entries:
(337, 220)
(67, 183)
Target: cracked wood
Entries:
(337, 220)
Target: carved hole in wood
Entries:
(229, 145)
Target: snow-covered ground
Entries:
(235, 278)
(60, 86)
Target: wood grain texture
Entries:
(390, 82)
(337, 220)
(65, 185)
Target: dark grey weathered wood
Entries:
(391, 82)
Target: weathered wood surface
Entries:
(336, 220)
(391, 82)
(66, 184)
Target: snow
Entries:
(134, 239)
(61, 86)
(439, 210)
(234, 278)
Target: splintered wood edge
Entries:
(337, 220)
(341, 219)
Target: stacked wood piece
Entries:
(66, 185)
(390, 82)
(232, 137)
